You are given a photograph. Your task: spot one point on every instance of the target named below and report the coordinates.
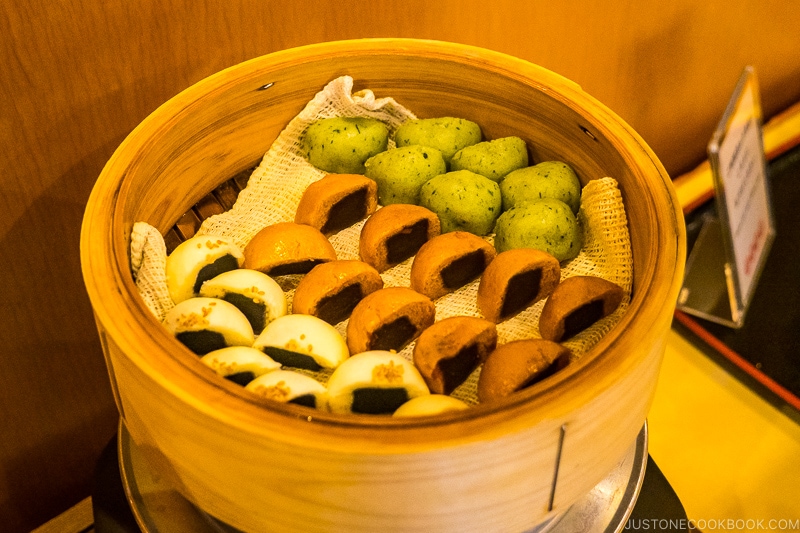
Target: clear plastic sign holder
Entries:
(726, 261)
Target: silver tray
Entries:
(158, 508)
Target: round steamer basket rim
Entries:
(456, 427)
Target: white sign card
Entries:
(745, 220)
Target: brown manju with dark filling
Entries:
(336, 202)
(519, 364)
(388, 319)
(331, 291)
(577, 303)
(394, 233)
(287, 248)
(448, 262)
(514, 281)
(451, 349)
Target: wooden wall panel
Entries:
(77, 77)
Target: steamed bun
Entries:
(548, 225)
(342, 144)
(446, 134)
(549, 179)
(401, 172)
(493, 159)
(463, 201)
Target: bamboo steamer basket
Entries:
(263, 467)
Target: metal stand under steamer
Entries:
(136, 498)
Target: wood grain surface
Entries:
(78, 77)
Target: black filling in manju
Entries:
(308, 400)
(296, 267)
(221, 264)
(241, 378)
(378, 400)
(455, 370)
(464, 269)
(346, 212)
(406, 242)
(521, 292)
(582, 317)
(559, 363)
(256, 313)
(291, 359)
(203, 341)
(393, 335)
(333, 308)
